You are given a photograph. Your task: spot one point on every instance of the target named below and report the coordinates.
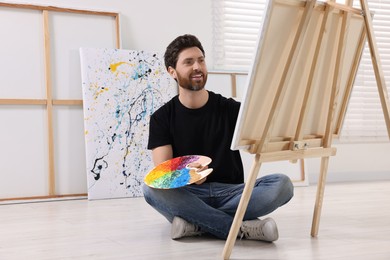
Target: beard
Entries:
(190, 83)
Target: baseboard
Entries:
(350, 176)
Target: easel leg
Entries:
(246, 194)
(320, 196)
(376, 64)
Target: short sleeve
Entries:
(159, 129)
(234, 109)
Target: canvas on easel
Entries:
(299, 86)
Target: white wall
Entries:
(355, 162)
(150, 24)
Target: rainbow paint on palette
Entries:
(175, 173)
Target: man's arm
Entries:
(161, 154)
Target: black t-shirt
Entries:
(205, 131)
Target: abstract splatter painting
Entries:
(121, 89)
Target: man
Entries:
(200, 122)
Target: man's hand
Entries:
(198, 168)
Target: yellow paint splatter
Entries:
(97, 93)
(114, 66)
(97, 90)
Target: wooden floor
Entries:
(355, 224)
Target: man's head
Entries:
(185, 62)
(177, 45)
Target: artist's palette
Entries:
(176, 172)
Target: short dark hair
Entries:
(177, 45)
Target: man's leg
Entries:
(190, 204)
(269, 193)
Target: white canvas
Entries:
(121, 89)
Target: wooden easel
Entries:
(303, 136)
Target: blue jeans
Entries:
(212, 206)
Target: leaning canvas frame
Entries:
(298, 90)
(50, 101)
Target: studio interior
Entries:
(80, 81)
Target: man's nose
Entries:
(196, 66)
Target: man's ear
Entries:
(172, 72)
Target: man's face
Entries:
(191, 70)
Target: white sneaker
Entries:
(265, 230)
(181, 228)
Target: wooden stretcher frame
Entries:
(299, 87)
(49, 102)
